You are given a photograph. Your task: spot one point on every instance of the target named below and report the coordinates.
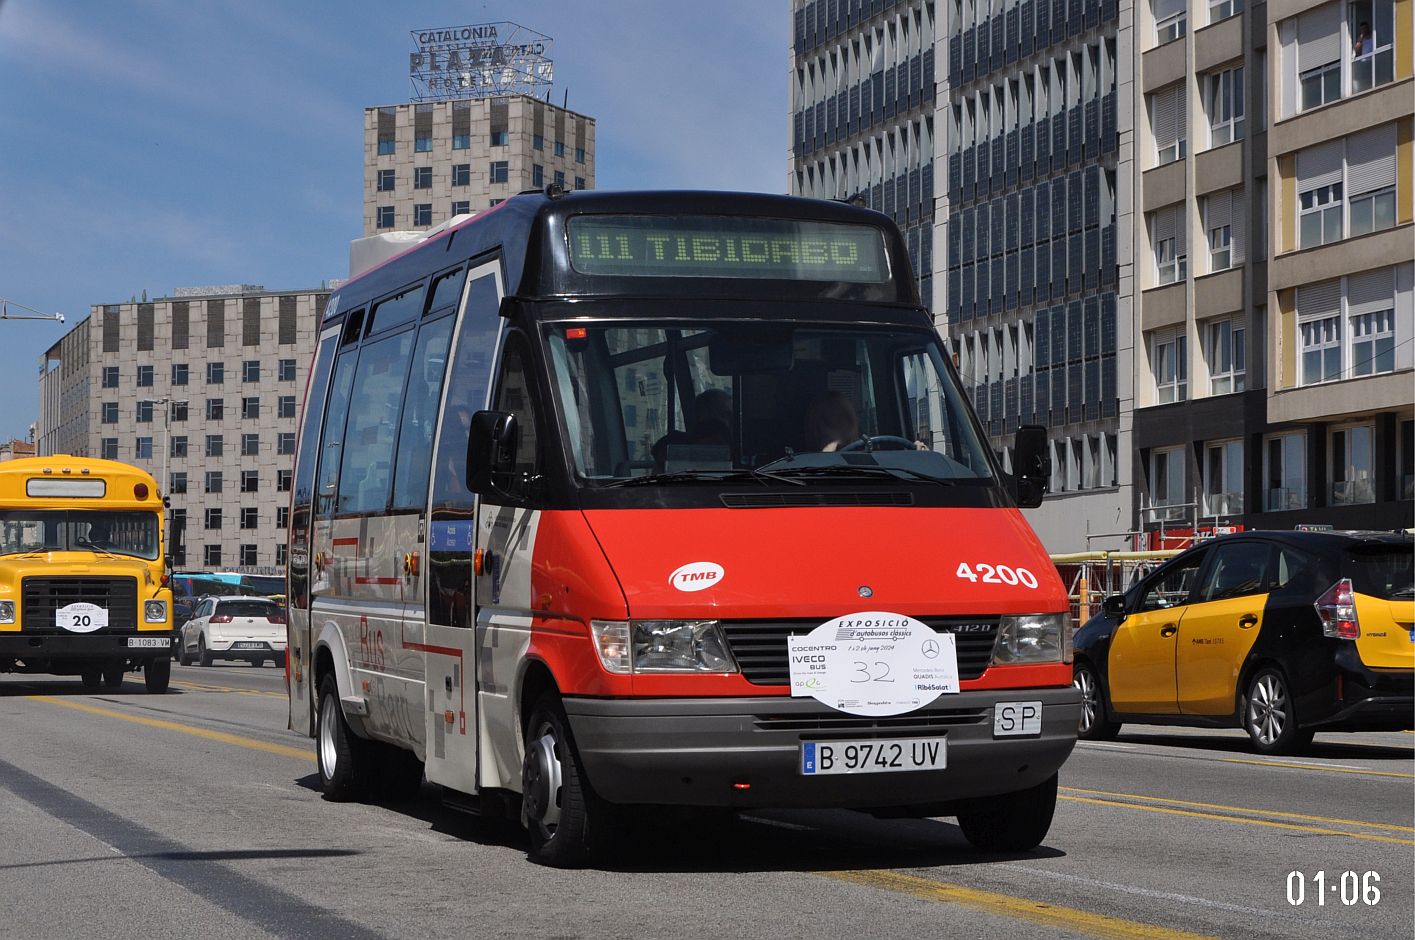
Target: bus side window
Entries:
(366, 468)
(332, 442)
(420, 415)
(467, 383)
(515, 393)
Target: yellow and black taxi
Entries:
(1280, 633)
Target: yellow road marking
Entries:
(198, 687)
(1006, 905)
(1242, 809)
(222, 736)
(1329, 770)
(1273, 824)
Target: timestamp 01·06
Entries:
(1350, 887)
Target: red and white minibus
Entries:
(606, 502)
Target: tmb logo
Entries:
(696, 576)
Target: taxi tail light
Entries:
(277, 616)
(1337, 610)
(220, 618)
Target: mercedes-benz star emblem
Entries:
(866, 591)
(931, 648)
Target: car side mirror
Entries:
(491, 452)
(1114, 605)
(1031, 466)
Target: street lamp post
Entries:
(164, 483)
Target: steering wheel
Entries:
(870, 443)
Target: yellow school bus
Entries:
(83, 580)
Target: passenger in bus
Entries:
(831, 423)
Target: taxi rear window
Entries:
(246, 608)
(1387, 571)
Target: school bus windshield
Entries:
(661, 401)
(132, 533)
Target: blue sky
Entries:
(155, 144)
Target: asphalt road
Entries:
(196, 814)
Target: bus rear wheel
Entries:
(1013, 822)
(568, 825)
(157, 674)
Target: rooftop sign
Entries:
(482, 61)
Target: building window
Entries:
(1370, 172)
(215, 409)
(1167, 236)
(286, 406)
(461, 141)
(108, 448)
(282, 517)
(1223, 9)
(215, 373)
(422, 177)
(1285, 473)
(1318, 41)
(1169, 123)
(1407, 459)
(249, 555)
(1225, 349)
(215, 445)
(178, 409)
(250, 481)
(250, 445)
(179, 373)
(387, 146)
(422, 143)
(1220, 248)
(579, 154)
(559, 178)
(1373, 342)
(282, 480)
(1319, 216)
(250, 517)
(1167, 483)
(110, 377)
(213, 481)
(143, 450)
(1223, 479)
(461, 174)
(144, 412)
(213, 517)
(387, 179)
(385, 217)
(1321, 349)
(285, 443)
(495, 202)
(211, 554)
(579, 182)
(1224, 218)
(110, 412)
(280, 555)
(287, 370)
(1171, 19)
(179, 445)
(1224, 100)
(250, 407)
(1371, 212)
(422, 213)
(1351, 462)
(1169, 360)
(250, 370)
(537, 141)
(500, 139)
(500, 171)
(537, 175)
(179, 482)
(1371, 25)
(462, 207)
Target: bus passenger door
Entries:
(449, 643)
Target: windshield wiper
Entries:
(857, 471)
(701, 476)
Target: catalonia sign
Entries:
(486, 60)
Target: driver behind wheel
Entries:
(831, 423)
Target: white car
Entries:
(248, 628)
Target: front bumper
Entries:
(40, 648)
(700, 751)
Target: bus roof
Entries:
(539, 268)
(64, 480)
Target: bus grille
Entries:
(760, 645)
(41, 597)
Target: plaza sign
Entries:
(481, 61)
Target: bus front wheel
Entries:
(157, 674)
(568, 825)
(1013, 822)
(343, 756)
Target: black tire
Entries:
(576, 827)
(258, 661)
(343, 756)
(1269, 716)
(280, 661)
(1095, 715)
(182, 657)
(203, 657)
(399, 777)
(113, 676)
(91, 678)
(1015, 822)
(157, 675)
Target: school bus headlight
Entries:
(1032, 638)
(7, 611)
(661, 646)
(154, 611)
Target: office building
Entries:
(425, 162)
(200, 389)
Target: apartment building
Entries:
(425, 162)
(201, 390)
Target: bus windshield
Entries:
(668, 403)
(133, 533)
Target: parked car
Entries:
(1280, 633)
(235, 627)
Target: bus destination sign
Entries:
(713, 246)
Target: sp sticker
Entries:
(696, 576)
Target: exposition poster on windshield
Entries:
(873, 663)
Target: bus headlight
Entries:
(1032, 638)
(154, 611)
(7, 611)
(661, 646)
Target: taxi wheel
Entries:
(203, 656)
(567, 824)
(113, 677)
(91, 679)
(1014, 822)
(157, 675)
(343, 756)
(1095, 718)
(1268, 715)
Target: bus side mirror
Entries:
(174, 550)
(491, 451)
(1031, 465)
(1114, 605)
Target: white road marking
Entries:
(1312, 763)
(1118, 747)
(1142, 892)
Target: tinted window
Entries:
(397, 310)
(420, 415)
(1387, 571)
(332, 442)
(367, 463)
(466, 392)
(517, 395)
(1240, 569)
(1172, 587)
(447, 290)
(246, 609)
